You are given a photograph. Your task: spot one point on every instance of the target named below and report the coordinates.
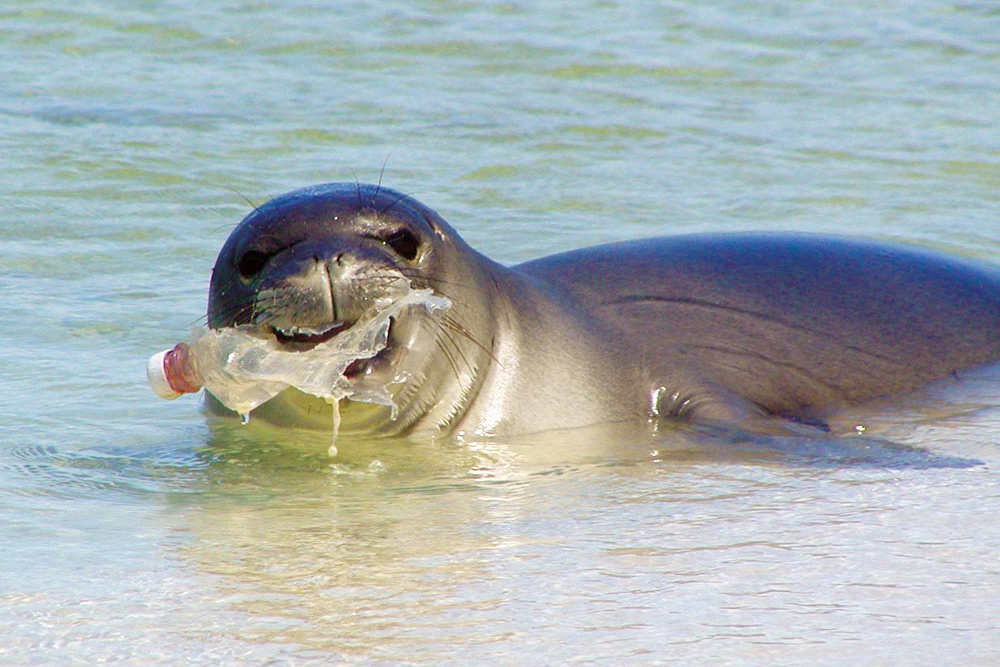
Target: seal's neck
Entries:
(551, 367)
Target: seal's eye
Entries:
(404, 243)
(251, 263)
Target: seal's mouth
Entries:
(306, 338)
(301, 338)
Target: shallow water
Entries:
(133, 530)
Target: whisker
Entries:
(381, 173)
(242, 196)
(448, 356)
(416, 276)
(228, 225)
(456, 350)
(357, 185)
(238, 312)
(391, 204)
(459, 329)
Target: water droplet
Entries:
(335, 404)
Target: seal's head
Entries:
(307, 265)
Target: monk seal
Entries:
(746, 329)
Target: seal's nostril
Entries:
(251, 263)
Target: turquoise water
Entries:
(136, 134)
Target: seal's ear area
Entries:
(433, 224)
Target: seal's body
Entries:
(737, 328)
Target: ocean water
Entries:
(136, 134)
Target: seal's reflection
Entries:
(409, 544)
(375, 546)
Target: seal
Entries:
(749, 330)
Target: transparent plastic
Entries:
(243, 368)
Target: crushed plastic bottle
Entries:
(243, 368)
